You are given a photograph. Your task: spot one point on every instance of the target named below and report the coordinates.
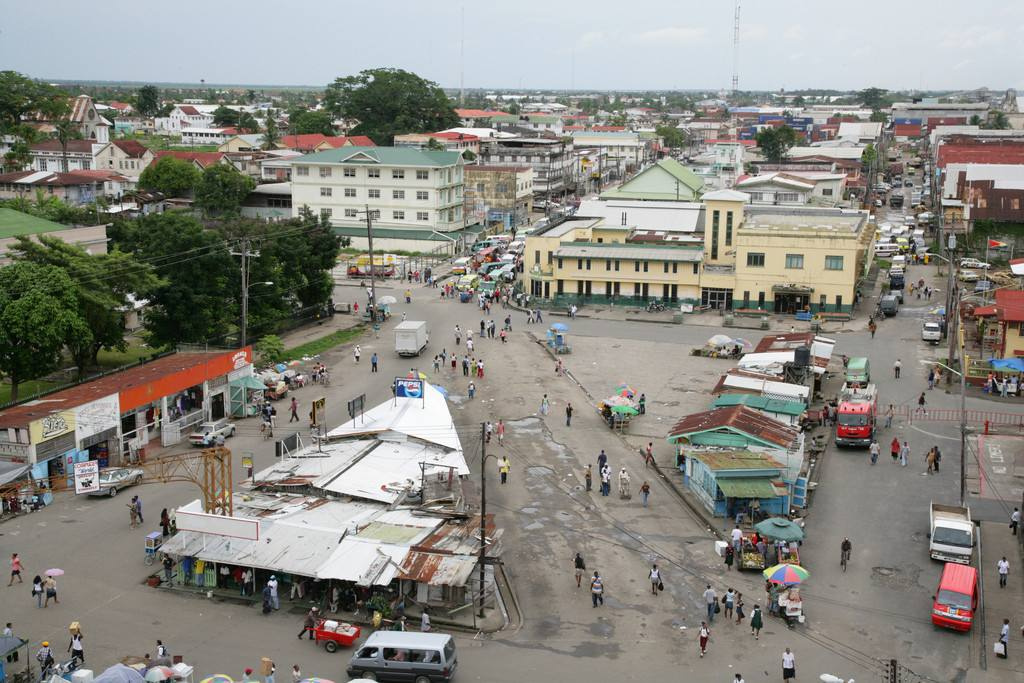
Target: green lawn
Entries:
(25, 389)
(135, 352)
(325, 343)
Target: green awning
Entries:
(249, 382)
(747, 487)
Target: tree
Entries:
(301, 122)
(975, 120)
(224, 117)
(997, 120)
(469, 155)
(269, 349)
(799, 101)
(21, 97)
(873, 98)
(389, 102)
(147, 101)
(103, 282)
(869, 155)
(19, 156)
(247, 123)
(271, 134)
(673, 136)
(222, 189)
(66, 130)
(435, 144)
(775, 142)
(879, 117)
(37, 317)
(170, 176)
(193, 301)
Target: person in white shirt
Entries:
(1004, 569)
(275, 601)
(788, 665)
(738, 679)
(1004, 638)
(655, 577)
(1014, 521)
(737, 536)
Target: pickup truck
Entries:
(952, 534)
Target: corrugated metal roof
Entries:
(768, 405)
(736, 419)
(735, 460)
(754, 383)
(747, 487)
(367, 563)
(438, 570)
(598, 251)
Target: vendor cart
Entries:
(153, 543)
(750, 557)
(334, 633)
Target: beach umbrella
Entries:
(743, 343)
(218, 678)
(625, 390)
(625, 410)
(55, 572)
(560, 327)
(280, 367)
(786, 574)
(780, 529)
(385, 300)
(719, 340)
(156, 674)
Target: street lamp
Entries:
(963, 419)
(245, 306)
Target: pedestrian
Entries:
(655, 577)
(904, 453)
(356, 352)
(597, 589)
(45, 656)
(295, 410)
(729, 601)
(488, 430)
(425, 621)
(471, 389)
(931, 378)
(588, 477)
(642, 404)
(921, 404)
(729, 557)
(710, 599)
(601, 459)
(455, 362)
(504, 467)
(545, 405)
(703, 636)
(938, 458)
(501, 432)
(568, 414)
(268, 669)
(606, 480)
(469, 344)
(1003, 566)
(165, 522)
(1004, 638)
(168, 565)
(50, 586)
(888, 416)
(465, 366)
(894, 449)
(133, 515)
(309, 623)
(645, 493)
(756, 623)
(579, 566)
(75, 647)
(479, 368)
(737, 538)
(9, 633)
(738, 679)
(37, 590)
(896, 368)
(374, 360)
(15, 569)
(739, 608)
(649, 455)
(788, 665)
(275, 600)
(296, 673)
(873, 449)
(247, 677)
(1014, 521)
(930, 460)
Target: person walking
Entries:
(645, 493)
(471, 389)
(568, 414)
(37, 590)
(896, 368)
(545, 405)
(168, 565)
(655, 577)
(601, 460)
(606, 480)
(873, 448)
(709, 600)
(133, 516)
(50, 586)
(702, 636)
(904, 453)
(756, 622)
(425, 621)
(138, 508)
(597, 589)
(165, 522)
(1014, 521)
(740, 616)
(504, 467)
(579, 566)
(588, 478)
(938, 458)
(295, 410)
(15, 569)
(9, 633)
(788, 665)
(357, 352)
(1004, 638)
(728, 602)
(921, 404)
(736, 536)
(929, 458)
(889, 414)
(374, 360)
(1003, 566)
(275, 600)
(649, 455)
(500, 430)
(296, 673)
(894, 449)
(309, 623)
(75, 647)
(931, 378)
(641, 404)
(730, 556)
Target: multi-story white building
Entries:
(186, 116)
(414, 194)
(554, 163)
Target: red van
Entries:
(956, 598)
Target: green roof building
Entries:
(665, 180)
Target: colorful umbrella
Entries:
(625, 390)
(560, 327)
(719, 340)
(440, 390)
(786, 574)
(55, 572)
(743, 343)
(780, 528)
(218, 678)
(293, 363)
(625, 410)
(156, 674)
(412, 375)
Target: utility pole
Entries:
(483, 512)
(952, 306)
(963, 428)
(245, 254)
(373, 266)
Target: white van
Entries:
(405, 656)
(898, 261)
(886, 249)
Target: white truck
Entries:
(952, 534)
(411, 337)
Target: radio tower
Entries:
(736, 49)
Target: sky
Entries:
(592, 45)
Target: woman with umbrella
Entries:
(50, 586)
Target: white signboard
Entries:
(87, 477)
(192, 518)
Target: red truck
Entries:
(856, 416)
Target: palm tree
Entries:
(975, 120)
(998, 120)
(66, 130)
(271, 133)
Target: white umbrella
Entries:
(384, 300)
(719, 340)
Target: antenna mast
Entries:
(736, 49)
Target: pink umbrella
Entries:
(55, 572)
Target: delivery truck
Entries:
(411, 337)
(952, 534)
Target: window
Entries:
(728, 228)
(325, 171)
(636, 266)
(560, 262)
(746, 299)
(757, 196)
(579, 264)
(424, 175)
(373, 194)
(422, 195)
(616, 264)
(326, 213)
(665, 266)
(588, 264)
(398, 194)
(551, 255)
(536, 256)
(351, 213)
(502, 188)
(325, 192)
(398, 173)
(822, 302)
(373, 173)
(422, 216)
(839, 302)
(755, 259)
(826, 192)
(645, 266)
(398, 215)
(349, 173)
(608, 264)
(795, 261)
(675, 268)
(480, 187)
(696, 265)
(86, 165)
(350, 192)
(43, 166)
(833, 263)
(302, 170)
(714, 234)
(791, 197)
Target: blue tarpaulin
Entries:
(1008, 364)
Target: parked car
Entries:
(967, 276)
(113, 479)
(974, 263)
(931, 332)
(983, 286)
(208, 433)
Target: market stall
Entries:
(556, 338)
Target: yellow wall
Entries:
(726, 245)
(608, 234)
(1014, 340)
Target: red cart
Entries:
(334, 633)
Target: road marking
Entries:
(935, 436)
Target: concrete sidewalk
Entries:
(998, 604)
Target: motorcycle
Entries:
(655, 307)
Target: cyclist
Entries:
(845, 549)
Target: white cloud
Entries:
(971, 37)
(670, 34)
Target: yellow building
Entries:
(782, 259)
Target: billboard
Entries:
(408, 388)
(87, 477)
(191, 518)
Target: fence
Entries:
(978, 418)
